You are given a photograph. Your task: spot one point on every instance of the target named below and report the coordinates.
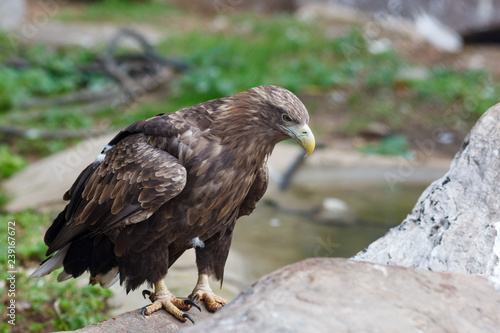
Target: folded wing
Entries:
(126, 184)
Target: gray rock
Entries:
(43, 183)
(79, 34)
(133, 321)
(12, 13)
(340, 295)
(464, 16)
(335, 212)
(455, 225)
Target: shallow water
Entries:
(276, 236)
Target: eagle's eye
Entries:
(286, 118)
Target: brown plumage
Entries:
(171, 182)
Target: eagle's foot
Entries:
(163, 298)
(203, 292)
(212, 301)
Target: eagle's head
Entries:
(261, 117)
(285, 114)
(282, 113)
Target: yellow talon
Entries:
(163, 298)
(202, 291)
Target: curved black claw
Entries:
(192, 302)
(143, 312)
(185, 315)
(145, 292)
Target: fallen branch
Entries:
(133, 76)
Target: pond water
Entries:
(287, 230)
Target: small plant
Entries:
(47, 305)
(29, 229)
(475, 90)
(10, 162)
(396, 145)
(121, 11)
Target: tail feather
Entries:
(63, 276)
(106, 280)
(51, 264)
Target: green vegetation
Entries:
(250, 51)
(10, 163)
(226, 55)
(42, 73)
(396, 145)
(44, 304)
(47, 305)
(281, 52)
(155, 11)
(474, 89)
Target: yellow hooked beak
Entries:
(304, 137)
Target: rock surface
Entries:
(78, 34)
(463, 16)
(133, 321)
(455, 225)
(43, 183)
(340, 295)
(12, 13)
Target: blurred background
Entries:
(392, 88)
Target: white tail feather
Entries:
(55, 262)
(63, 276)
(108, 279)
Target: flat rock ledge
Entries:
(340, 295)
(133, 321)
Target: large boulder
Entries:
(455, 225)
(340, 295)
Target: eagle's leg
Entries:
(163, 298)
(202, 291)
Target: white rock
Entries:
(454, 225)
(11, 13)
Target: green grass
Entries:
(51, 72)
(121, 11)
(10, 163)
(48, 72)
(48, 305)
(54, 306)
(396, 145)
(252, 51)
(476, 90)
(283, 52)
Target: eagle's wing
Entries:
(256, 192)
(133, 180)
